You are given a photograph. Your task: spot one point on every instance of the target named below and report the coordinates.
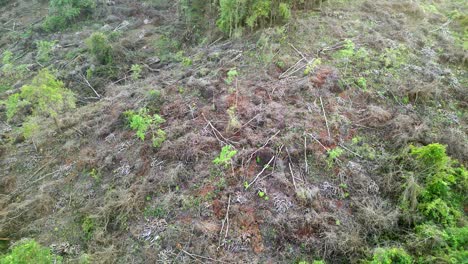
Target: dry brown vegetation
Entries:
(94, 190)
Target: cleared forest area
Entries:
(233, 131)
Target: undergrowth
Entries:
(29, 251)
(432, 202)
(142, 122)
(225, 156)
(62, 13)
(45, 96)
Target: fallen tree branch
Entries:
(260, 173)
(325, 116)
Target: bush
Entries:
(391, 256)
(225, 156)
(432, 244)
(435, 185)
(99, 47)
(44, 50)
(432, 156)
(45, 96)
(142, 122)
(10, 73)
(63, 12)
(235, 14)
(29, 251)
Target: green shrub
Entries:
(99, 46)
(443, 184)
(432, 156)
(166, 48)
(45, 96)
(333, 155)
(231, 76)
(62, 13)
(434, 244)
(234, 15)
(136, 71)
(440, 212)
(88, 227)
(434, 200)
(225, 156)
(9, 71)
(29, 251)
(44, 50)
(391, 256)
(142, 122)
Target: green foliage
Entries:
(44, 50)
(136, 71)
(434, 198)
(9, 71)
(29, 251)
(45, 96)
(432, 156)
(142, 122)
(362, 83)
(30, 128)
(311, 66)
(180, 56)
(234, 15)
(62, 13)
(447, 245)
(7, 57)
(391, 256)
(225, 156)
(284, 11)
(158, 138)
(333, 155)
(156, 212)
(166, 48)
(263, 195)
(95, 174)
(443, 184)
(347, 51)
(99, 46)
(440, 212)
(231, 76)
(394, 57)
(88, 227)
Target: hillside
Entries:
(231, 131)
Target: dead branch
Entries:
(226, 141)
(89, 85)
(266, 143)
(318, 141)
(194, 256)
(325, 116)
(260, 173)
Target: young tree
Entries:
(45, 96)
